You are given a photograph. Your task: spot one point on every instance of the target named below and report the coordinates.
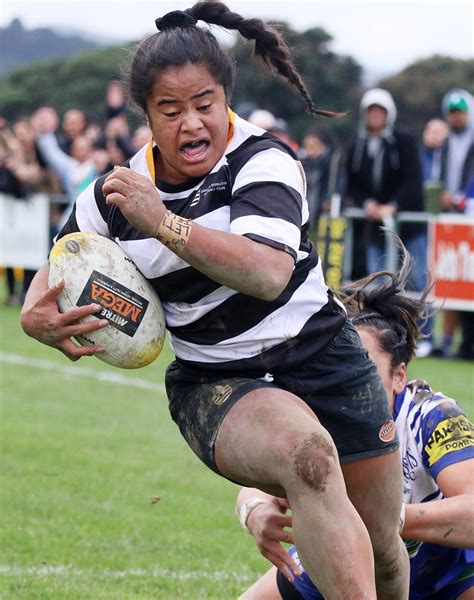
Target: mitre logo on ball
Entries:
(97, 271)
(123, 308)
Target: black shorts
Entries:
(340, 384)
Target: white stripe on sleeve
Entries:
(271, 165)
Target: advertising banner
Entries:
(451, 261)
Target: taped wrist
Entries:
(247, 508)
(174, 231)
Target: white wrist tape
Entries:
(402, 518)
(246, 508)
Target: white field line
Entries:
(65, 571)
(74, 371)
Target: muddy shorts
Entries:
(340, 384)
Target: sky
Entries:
(384, 36)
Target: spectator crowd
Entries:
(382, 171)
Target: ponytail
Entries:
(380, 303)
(179, 42)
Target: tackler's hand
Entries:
(267, 523)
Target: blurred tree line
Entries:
(77, 82)
(334, 81)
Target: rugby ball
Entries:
(96, 270)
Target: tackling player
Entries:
(437, 450)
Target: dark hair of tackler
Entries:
(176, 18)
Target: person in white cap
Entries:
(383, 177)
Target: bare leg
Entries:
(378, 501)
(270, 439)
(264, 588)
(467, 595)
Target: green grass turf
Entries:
(81, 460)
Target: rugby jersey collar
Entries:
(152, 149)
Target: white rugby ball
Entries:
(96, 270)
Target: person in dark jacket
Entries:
(384, 177)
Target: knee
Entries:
(389, 549)
(390, 561)
(315, 460)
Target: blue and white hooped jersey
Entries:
(434, 433)
(257, 190)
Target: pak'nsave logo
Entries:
(123, 308)
(450, 435)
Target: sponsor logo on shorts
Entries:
(387, 431)
(123, 308)
(220, 394)
(450, 435)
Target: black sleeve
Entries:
(409, 192)
(355, 192)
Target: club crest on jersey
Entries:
(196, 198)
(387, 431)
(220, 394)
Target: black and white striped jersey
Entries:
(257, 189)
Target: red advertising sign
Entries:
(451, 257)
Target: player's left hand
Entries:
(137, 198)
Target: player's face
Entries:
(393, 379)
(187, 113)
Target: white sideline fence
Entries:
(392, 224)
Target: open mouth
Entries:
(194, 150)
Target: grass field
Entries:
(84, 450)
